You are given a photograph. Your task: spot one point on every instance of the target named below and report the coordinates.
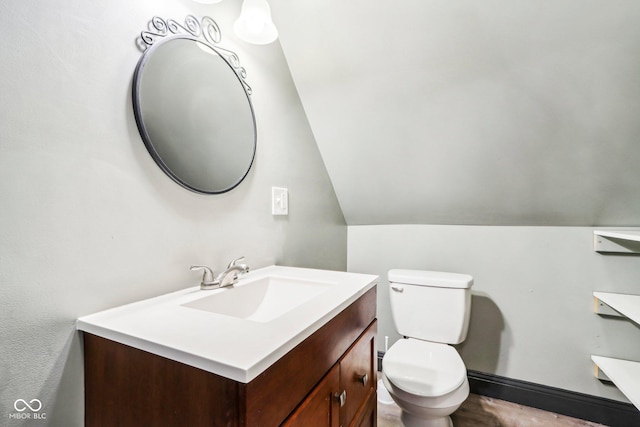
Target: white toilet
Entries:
(425, 375)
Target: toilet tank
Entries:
(431, 305)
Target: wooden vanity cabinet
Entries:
(125, 386)
(346, 396)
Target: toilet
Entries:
(423, 372)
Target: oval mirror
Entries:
(194, 113)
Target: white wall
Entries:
(532, 308)
(88, 221)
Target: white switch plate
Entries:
(279, 201)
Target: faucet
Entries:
(230, 275)
(226, 278)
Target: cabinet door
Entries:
(321, 408)
(357, 376)
(368, 414)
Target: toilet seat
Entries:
(424, 368)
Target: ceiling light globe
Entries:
(255, 24)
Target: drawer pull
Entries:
(342, 397)
(364, 379)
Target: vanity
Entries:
(285, 346)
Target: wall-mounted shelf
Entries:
(623, 373)
(612, 304)
(616, 241)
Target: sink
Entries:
(261, 300)
(235, 332)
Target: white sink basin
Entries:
(261, 300)
(235, 332)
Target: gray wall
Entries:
(88, 221)
(492, 112)
(532, 308)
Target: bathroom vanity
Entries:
(176, 360)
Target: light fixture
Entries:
(254, 24)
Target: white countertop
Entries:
(235, 348)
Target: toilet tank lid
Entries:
(438, 279)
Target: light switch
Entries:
(279, 201)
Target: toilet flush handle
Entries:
(397, 288)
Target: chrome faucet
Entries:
(230, 275)
(226, 278)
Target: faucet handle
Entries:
(235, 262)
(207, 275)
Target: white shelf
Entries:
(619, 234)
(624, 374)
(624, 304)
(625, 241)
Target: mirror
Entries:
(193, 107)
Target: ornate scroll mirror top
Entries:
(192, 105)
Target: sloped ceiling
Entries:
(472, 112)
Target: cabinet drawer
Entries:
(357, 375)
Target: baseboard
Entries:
(569, 403)
(572, 404)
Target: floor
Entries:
(479, 411)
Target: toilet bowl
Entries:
(427, 380)
(423, 372)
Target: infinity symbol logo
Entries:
(21, 405)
